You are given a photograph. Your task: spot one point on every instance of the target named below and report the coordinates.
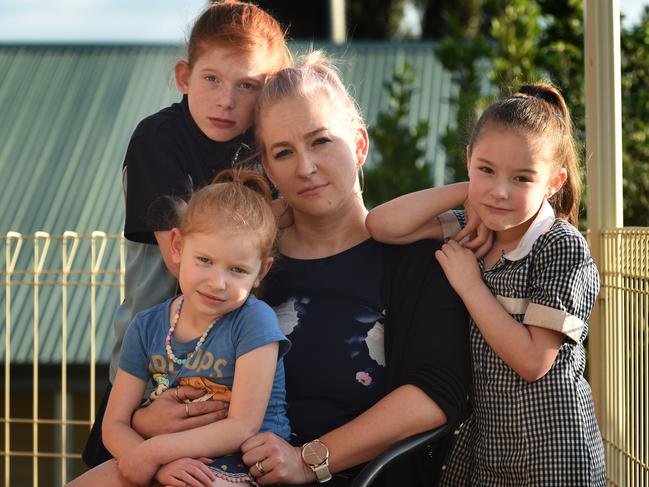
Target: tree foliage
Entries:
(491, 47)
(635, 126)
(373, 19)
(401, 167)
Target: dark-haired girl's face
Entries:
(312, 155)
(510, 175)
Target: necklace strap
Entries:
(172, 327)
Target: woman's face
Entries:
(312, 154)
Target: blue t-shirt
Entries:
(250, 326)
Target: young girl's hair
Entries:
(238, 199)
(539, 109)
(312, 74)
(241, 26)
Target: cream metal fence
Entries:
(59, 286)
(624, 369)
(55, 288)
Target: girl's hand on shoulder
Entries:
(281, 462)
(460, 266)
(170, 414)
(477, 236)
(183, 472)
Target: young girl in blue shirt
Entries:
(214, 332)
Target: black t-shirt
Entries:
(168, 158)
(332, 311)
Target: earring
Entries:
(361, 177)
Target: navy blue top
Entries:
(332, 310)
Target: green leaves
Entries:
(401, 166)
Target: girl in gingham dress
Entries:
(529, 292)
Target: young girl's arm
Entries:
(413, 216)
(529, 350)
(253, 381)
(125, 397)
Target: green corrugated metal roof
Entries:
(67, 114)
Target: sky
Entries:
(86, 21)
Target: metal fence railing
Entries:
(59, 296)
(60, 293)
(624, 370)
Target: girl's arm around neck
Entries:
(413, 216)
(253, 382)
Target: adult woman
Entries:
(337, 292)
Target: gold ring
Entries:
(260, 467)
(187, 410)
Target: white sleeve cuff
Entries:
(450, 224)
(554, 319)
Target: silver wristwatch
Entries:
(315, 455)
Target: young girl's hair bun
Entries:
(547, 93)
(246, 177)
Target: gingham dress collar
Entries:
(541, 224)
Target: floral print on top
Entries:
(332, 311)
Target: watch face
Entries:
(314, 453)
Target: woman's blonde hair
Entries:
(312, 74)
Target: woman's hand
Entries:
(183, 472)
(460, 266)
(477, 236)
(169, 413)
(280, 462)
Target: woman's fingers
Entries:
(184, 393)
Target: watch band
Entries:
(322, 472)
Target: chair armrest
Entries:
(409, 445)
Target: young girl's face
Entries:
(218, 269)
(222, 87)
(311, 154)
(510, 175)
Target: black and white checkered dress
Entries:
(541, 433)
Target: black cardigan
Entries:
(427, 345)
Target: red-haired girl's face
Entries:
(222, 87)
